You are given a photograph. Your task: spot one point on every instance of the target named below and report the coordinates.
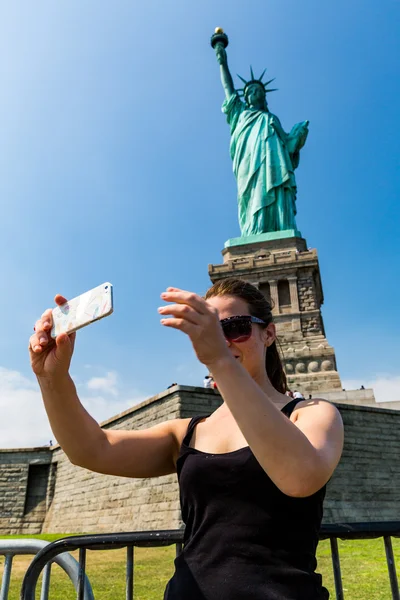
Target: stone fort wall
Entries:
(63, 498)
(24, 482)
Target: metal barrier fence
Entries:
(362, 531)
(110, 541)
(10, 548)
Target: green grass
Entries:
(363, 563)
(364, 569)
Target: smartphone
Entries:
(83, 310)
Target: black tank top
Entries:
(244, 539)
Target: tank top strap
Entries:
(290, 406)
(192, 424)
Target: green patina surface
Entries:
(264, 156)
(263, 237)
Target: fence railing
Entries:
(11, 548)
(110, 541)
(362, 531)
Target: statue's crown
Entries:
(259, 81)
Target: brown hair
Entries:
(258, 307)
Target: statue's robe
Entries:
(264, 158)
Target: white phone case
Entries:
(82, 310)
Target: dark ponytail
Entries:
(258, 307)
(275, 371)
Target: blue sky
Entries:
(114, 165)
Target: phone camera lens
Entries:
(106, 287)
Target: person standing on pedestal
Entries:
(207, 383)
(264, 156)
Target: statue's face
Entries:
(255, 96)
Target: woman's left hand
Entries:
(199, 320)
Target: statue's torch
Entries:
(219, 39)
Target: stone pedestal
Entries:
(287, 272)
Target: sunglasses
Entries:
(238, 329)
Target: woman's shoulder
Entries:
(315, 408)
(319, 403)
(180, 427)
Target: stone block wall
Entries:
(311, 324)
(365, 486)
(20, 513)
(91, 502)
(306, 291)
(198, 401)
(94, 503)
(87, 502)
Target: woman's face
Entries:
(251, 354)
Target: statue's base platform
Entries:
(263, 237)
(257, 246)
(287, 272)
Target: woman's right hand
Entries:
(50, 359)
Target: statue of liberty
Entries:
(264, 156)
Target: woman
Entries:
(252, 475)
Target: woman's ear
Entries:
(269, 334)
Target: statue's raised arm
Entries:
(219, 42)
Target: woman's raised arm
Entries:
(143, 453)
